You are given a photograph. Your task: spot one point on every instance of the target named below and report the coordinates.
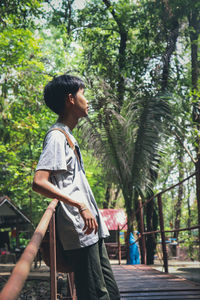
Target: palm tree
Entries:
(128, 143)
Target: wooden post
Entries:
(165, 259)
(143, 258)
(52, 235)
(198, 196)
(72, 289)
(17, 234)
(119, 246)
(127, 247)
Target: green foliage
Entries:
(19, 13)
(95, 176)
(120, 48)
(23, 121)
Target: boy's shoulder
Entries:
(56, 134)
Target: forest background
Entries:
(140, 63)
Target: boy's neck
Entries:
(69, 121)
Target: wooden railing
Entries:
(162, 230)
(22, 269)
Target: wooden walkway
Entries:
(144, 283)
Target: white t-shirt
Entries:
(69, 176)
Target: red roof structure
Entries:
(114, 218)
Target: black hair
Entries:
(57, 90)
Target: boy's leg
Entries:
(108, 273)
(89, 278)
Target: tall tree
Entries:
(194, 23)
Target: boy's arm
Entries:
(42, 185)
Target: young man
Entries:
(60, 174)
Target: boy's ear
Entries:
(70, 98)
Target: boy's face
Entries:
(81, 106)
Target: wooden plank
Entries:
(160, 293)
(144, 283)
(149, 297)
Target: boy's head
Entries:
(58, 89)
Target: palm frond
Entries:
(153, 111)
(127, 144)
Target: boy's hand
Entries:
(90, 221)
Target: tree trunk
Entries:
(107, 197)
(31, 176)
(129, 211)
(189, 217)
(150, 239)
(122, 52)
(198, 192)
(194, 34)
(171, 45)
(138, 218)
(121, 63)
(178, 204)
(114, 201)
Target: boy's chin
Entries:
(84, 115)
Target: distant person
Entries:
(60, 174)
(134, 255)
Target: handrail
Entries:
(166, 190)
(160, 193)
(173, 230)
(162, 230)
(21, 271)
